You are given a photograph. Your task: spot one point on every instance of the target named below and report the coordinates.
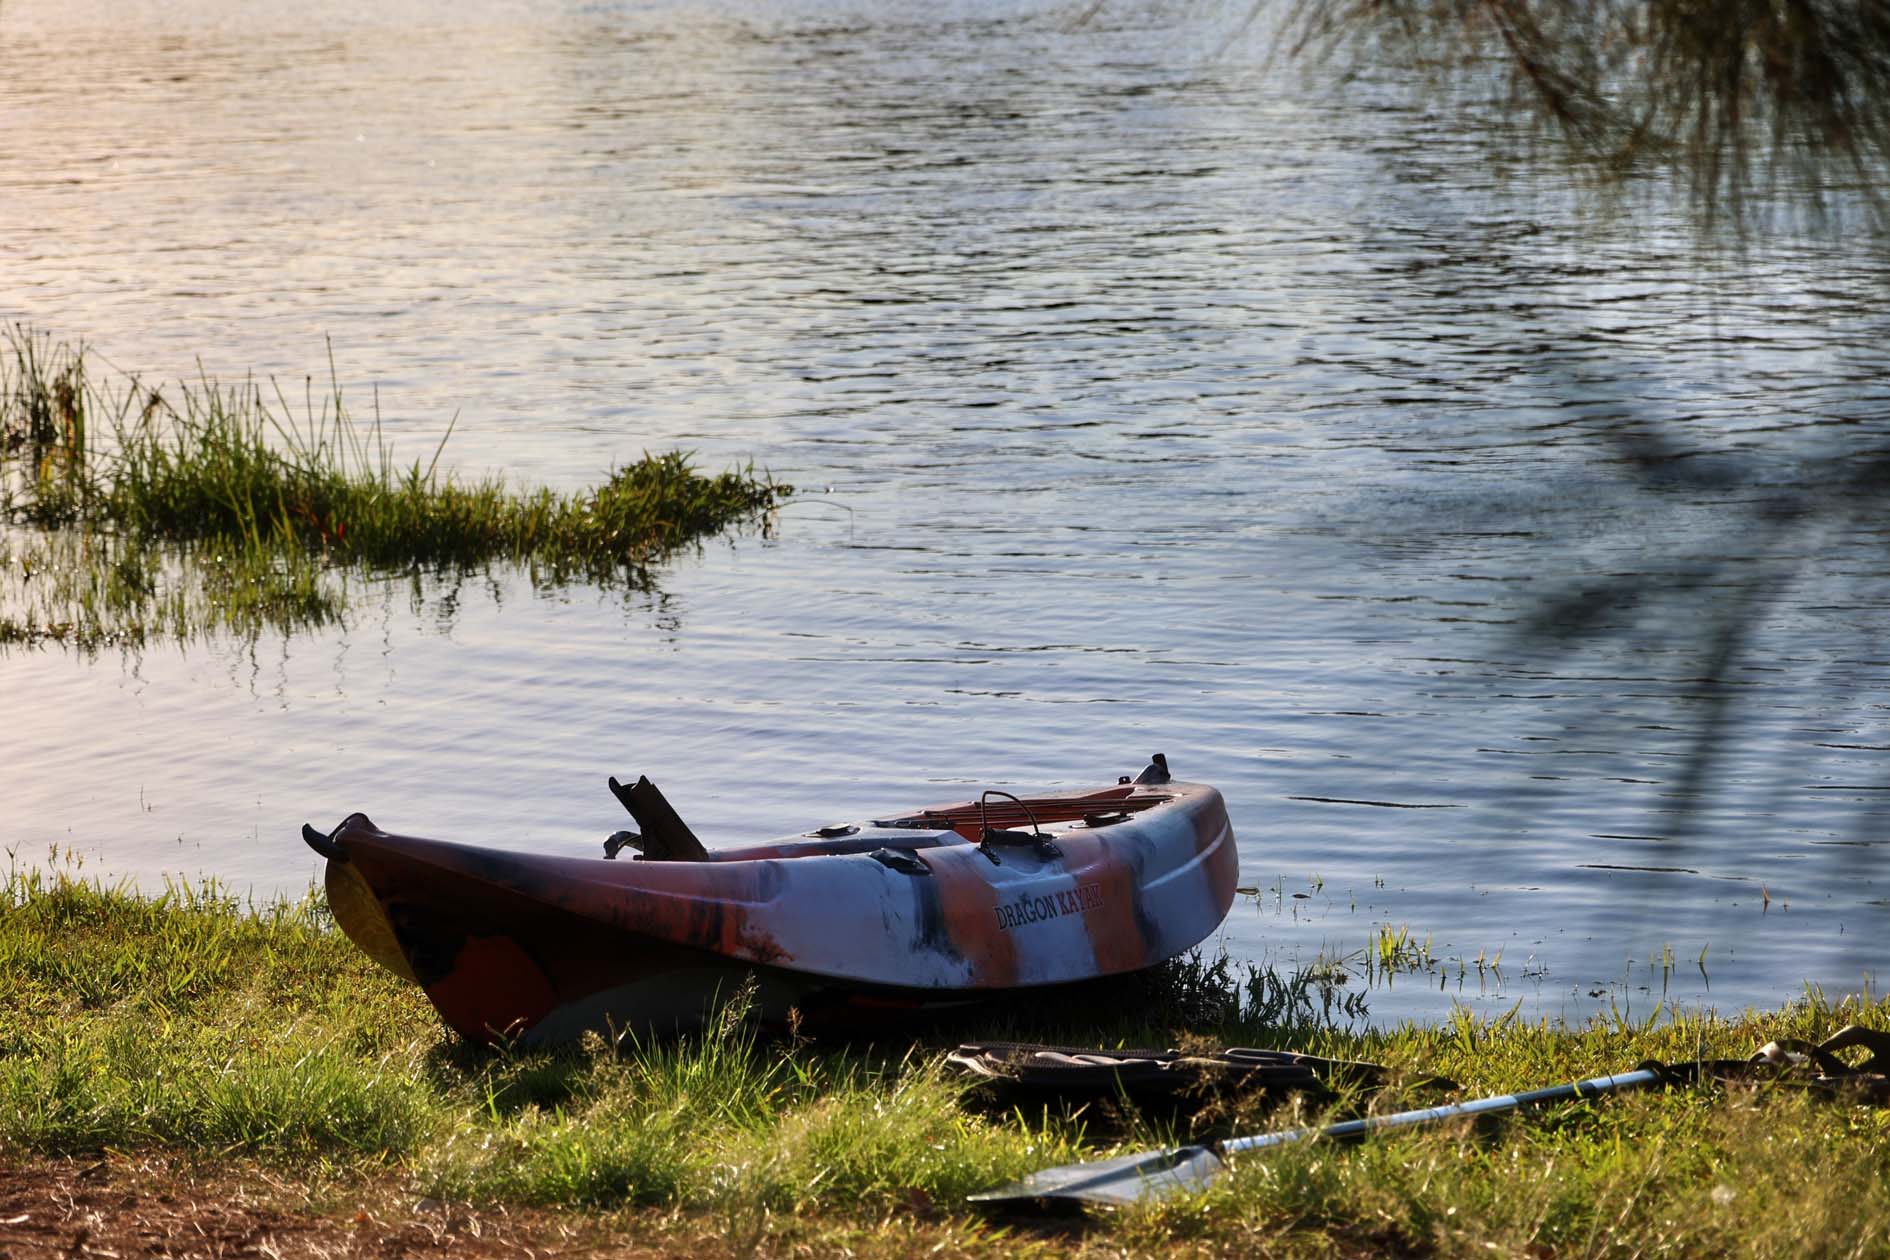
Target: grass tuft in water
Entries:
(214, 507)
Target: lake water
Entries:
(1142, 397)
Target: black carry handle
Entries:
(1037, 838)
(323, 844)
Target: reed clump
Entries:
(103, 475)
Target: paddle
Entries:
(1157, 1174)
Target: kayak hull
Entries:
(865, 922)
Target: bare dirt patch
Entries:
(146, 1206)
(119, 1208)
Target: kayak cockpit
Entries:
(666, 838)
(995, 817)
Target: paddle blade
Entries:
(1125, 1179)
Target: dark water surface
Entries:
(1145, 398)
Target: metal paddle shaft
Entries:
(1157, 1174)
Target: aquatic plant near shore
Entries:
(228, 504)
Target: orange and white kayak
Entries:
(933, 908)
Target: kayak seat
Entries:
(666, 837)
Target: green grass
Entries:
(206, 507)
(194, 1021)
(195, 1024)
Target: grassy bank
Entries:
(155, 512)
(194, 1028)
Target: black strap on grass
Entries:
(1009, 1074)
(1792, 1062)
(1012, 1073)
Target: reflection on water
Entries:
(1164, 405)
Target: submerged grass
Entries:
(197, 1025)
(206, 505)
(88, 590)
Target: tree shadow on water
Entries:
(1762, 512)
